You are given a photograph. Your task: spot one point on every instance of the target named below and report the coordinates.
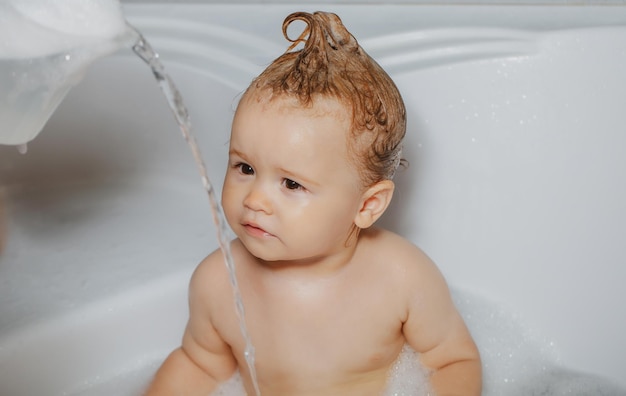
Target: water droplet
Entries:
(22, 148)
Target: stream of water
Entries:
(176, 104)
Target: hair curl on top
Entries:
(333, 64)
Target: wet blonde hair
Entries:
(332, 64)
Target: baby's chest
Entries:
(318, 339)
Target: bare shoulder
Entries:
(431, 323)
(210, 280)
(409, 270)
(399, 253)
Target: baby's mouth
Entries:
(256, 231)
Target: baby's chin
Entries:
(262, 254)
(275, 253)
(270, 257)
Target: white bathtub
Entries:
(516, 188)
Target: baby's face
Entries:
(290, 192)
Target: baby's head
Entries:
(333, 66)
(315, 141)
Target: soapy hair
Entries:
(332, 64)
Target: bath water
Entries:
(516, 360)
(175, 101)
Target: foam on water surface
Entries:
(407, 377)
(516, 362)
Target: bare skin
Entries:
(329, 299)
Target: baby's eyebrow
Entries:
(235, 152)
(299, 178)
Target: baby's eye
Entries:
(245, 169)
(292, 185)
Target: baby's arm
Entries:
(436, 330)
(204, 359)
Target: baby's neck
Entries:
(323, 266)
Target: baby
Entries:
(330, 300)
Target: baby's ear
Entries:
(375, 201)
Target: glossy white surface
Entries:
(516, 184)
(45, 47)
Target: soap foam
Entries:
(407, 377)
(516, 362)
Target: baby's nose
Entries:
(258, 199)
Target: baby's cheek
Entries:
(228, 207)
